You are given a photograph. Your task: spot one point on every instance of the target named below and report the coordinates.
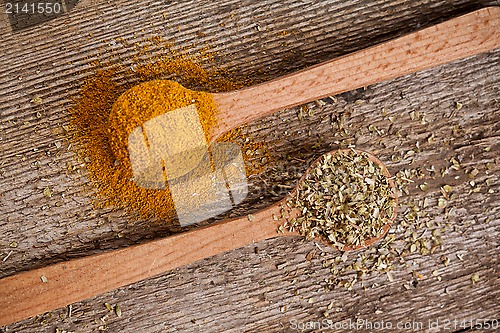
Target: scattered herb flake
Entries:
(108, 306)
(36, 100)
(47, 192)
(118, 310)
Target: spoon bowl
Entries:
(385, 228)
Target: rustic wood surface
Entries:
(276, 285)
(455, 39)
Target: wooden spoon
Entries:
(181, 149)
(458, 38)
(34, 292)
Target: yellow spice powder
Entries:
(146, 101)
(102, 140)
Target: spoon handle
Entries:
(26, 294)
(458, 38)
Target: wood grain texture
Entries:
(459, 38)
(245, 290)
(23, 295)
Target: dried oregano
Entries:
(345, 198)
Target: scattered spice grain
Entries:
(118, 310)
(108, 306)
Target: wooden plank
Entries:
(243, 290)
(45, 289)
(459, 38)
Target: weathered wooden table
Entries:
(442, 123)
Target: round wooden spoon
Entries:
(458, 38)
(162, 137)
(34, 292)
(174, 143)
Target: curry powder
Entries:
(144, 102)
(101, 141)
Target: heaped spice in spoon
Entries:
(144, 102)
(346, 199)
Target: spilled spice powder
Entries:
(101, 140)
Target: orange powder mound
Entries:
(110, 178)
(146, 101)
(101, 141)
